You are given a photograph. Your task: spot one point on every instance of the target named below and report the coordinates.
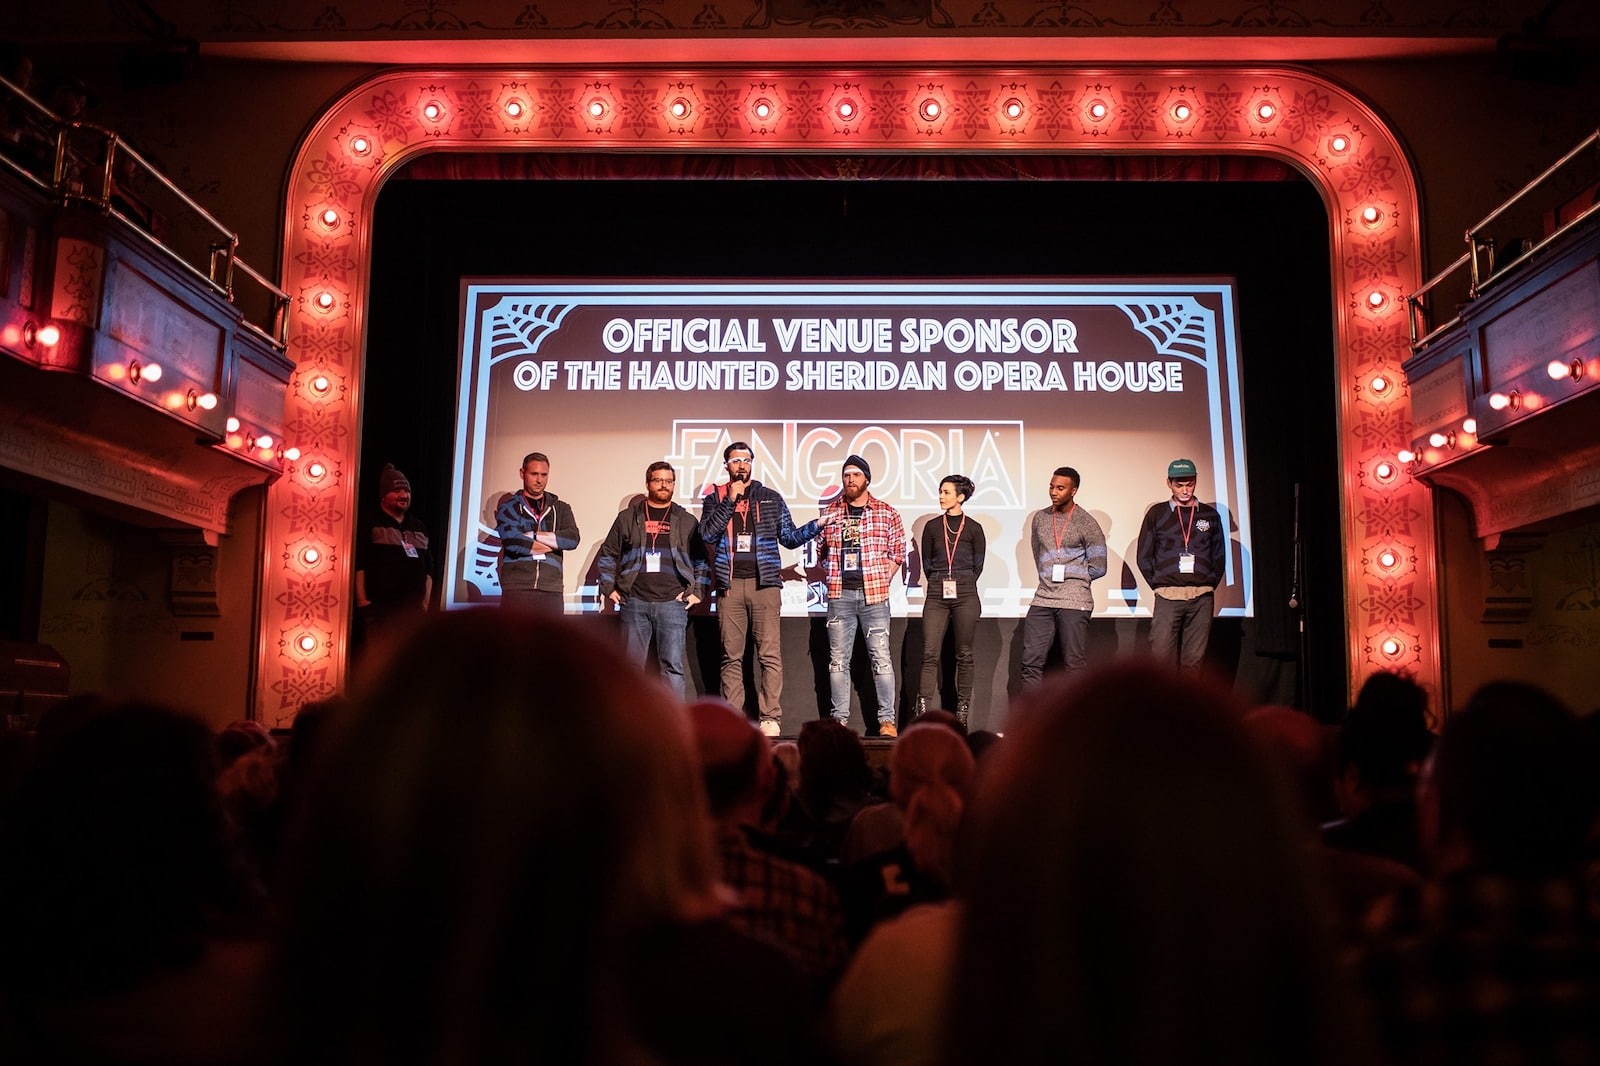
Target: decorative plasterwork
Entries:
(1295, 116)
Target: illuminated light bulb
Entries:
(597, 108)
(207, 401)
(1558, 370)
(324, 300)
(432, 112)
(1384, 471)
(763, 109)
(1098, 110)
(1182, 112)
(311, 557)
(1371, 215)
(1391, 647)
(678, 107)
(330, 218)
(1469, 425)
(360, 146)
(47, 335)
(307, 643)
(320, 383)
(514, 108)
(291, 454)
(1013, 109)
(1406, 455)
(1388, 559)
(232, 424)
(1499, 401)
(1340, 143)
(1379, 384)
(152, 372)
(1376, 300)
(264, 441)
(1438, 440)
(1266, 111)
(316, 471)
(930, 109)
(847, 109)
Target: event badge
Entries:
(742, 543)
(1186, 563)
(949, 592)
(652, 562)
(852, 562)
(411, 549)
(1058, 572)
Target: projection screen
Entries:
(1001, 381)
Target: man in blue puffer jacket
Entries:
(743, 522)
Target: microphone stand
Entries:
(1297, 608)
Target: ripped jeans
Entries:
(846, 612)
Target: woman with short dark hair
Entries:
(953, 547)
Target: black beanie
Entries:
(859, 463)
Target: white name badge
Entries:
(652, 562)
(741, 543)
(411, 549)
(1186, 563)
(949, 592)
(1058, 572)
(852, 562)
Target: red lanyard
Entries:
(656, 522)
(1192, 508)
(1058, 530)
(949, 546)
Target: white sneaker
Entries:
(769, 727)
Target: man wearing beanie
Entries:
(394, 567)
(862, 547)
(1183, 553)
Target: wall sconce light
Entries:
(46, 335)
(679, 108)
(316, 472)
(1406, 456)
(320, 384)
(290, 454)
(929, 109)
(1376, 299)
(597, 108)
(1371, 215)
(1379, 384)
(1501, 401)
(514, 108)
(847, 109)
(1469, 426)
(1391, 646)
(206, 401)
(1013, 109)
(1339, 144)
(310, 556)
(1557, 369)
(140, 372)
(431, 111)
(325, 301)
(306, 643)
(1385, 472)
(762, 109)
(1388, 558)
(1265, 111)
(329, 217)
(360, 145)
(1182, 112)
(1098, 110)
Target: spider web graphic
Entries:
(517, 326)
(1175, 327)
(483, 567)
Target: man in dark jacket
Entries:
(743, 522)
(653, 567)
(536, 530)
(1183, 554)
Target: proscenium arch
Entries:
(1295, 116)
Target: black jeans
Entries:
(938, 615)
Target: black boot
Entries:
(919, 708)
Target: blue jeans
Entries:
(845, 612)
(668, 621)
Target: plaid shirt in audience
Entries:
(785, 904)
(1479, 968)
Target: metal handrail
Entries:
(223, 263)
(1477, 244)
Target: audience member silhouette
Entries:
(1137, 891)
(782, 902)
(502, 854)
(1497, 958)
(1379, 752)
(130, 934)
(835, 783)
